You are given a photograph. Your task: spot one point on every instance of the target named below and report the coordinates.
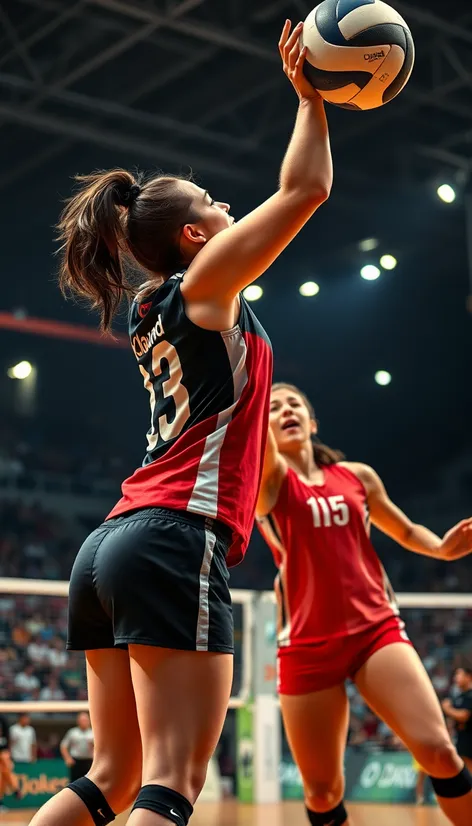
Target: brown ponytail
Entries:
(323, 454)
(115, 214)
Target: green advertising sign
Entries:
(386, 777)
(38, 782)
(245, 755)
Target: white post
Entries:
(267, 725)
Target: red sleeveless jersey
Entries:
(330, 581)
(209, 395)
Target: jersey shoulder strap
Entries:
(148, 310)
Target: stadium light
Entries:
(309, 288)
(21, 370)
(383, 377)
(388, 262)
(253, 292)
(368, 244)
(370, 272)
(446, 193)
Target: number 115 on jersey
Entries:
(330, 511)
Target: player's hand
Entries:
(70, 761)
(446, 705)
(293, 58)
(458, 541)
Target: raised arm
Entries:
(391, 520)
(273, 474)
(238, 255)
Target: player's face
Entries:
(290, 420)
(213, 217)
(83, 721)
(462, 679)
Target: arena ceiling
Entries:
(197, 82)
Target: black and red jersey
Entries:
(209, 396)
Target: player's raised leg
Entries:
(182, 698)
(115, 776)
(316, 726)
(396, 686)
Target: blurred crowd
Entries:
(33, 661)
(40, 456)
(34, 543)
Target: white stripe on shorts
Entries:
(203, 623)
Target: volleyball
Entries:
(360, 53)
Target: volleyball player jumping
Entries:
(149, 599)
(337, 616)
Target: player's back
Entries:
(330, 580)
(209, 395)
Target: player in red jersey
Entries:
(149, 600)
(337, 615)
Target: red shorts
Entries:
(304, 669)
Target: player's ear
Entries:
(194, 233)
(314, 427)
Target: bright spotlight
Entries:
(388, 262)
(370, 272)
(446, 193)
(309, 288)
(383, 377)
(253, 292)
(21, 370)
(368, 244)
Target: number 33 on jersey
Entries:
(209, 401)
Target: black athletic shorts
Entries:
(152, 577)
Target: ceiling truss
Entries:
(73, 86)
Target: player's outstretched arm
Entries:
(391, 520)
(238, 255)
(273, 474)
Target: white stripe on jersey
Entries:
(204, 498)
(203, 622)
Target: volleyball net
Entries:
(253, 760)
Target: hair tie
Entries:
(128, 194)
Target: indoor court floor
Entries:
(232, 813)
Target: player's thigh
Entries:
(117, 759)
(181, 698)
(396, 686)
(316, 726)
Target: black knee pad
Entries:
(336, 817)
(165, 802)
(93, 798)
(457, 786)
